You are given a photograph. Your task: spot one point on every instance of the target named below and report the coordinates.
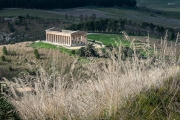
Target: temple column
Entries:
(59, 39)
(70, 40)
(54, 38)
(46, 37)
(67, 40)
(75, 40)
(51, 38)
(81, 40)
(63, 39)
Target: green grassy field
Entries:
(107, 39)
(43, 45)
(50, 46)
(31, 12)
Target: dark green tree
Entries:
(81, 18)
(10, 68)
(66, 16)
(36, 53)
(172, 37)
(88, 51)
(5, 52)
(3, 58)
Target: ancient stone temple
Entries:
(66, 37)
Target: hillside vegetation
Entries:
(103, 88)
(21, 55)
(113, 77)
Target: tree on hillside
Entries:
(3, 58)
(88, 51)
(81, 18)
(172, 37)
(5, 52)
(66, 16)
(36, 53)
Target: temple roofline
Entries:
(65, 31)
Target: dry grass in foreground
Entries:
(113, 81)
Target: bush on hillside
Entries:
(88, 51)
(36, 53)
(5, 52)
(3, 58)
(7, 110)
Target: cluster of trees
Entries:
(6, 52)
(23, 28)
(88, 51)
(116, 26)
(49, 4)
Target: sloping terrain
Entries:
(160, 4)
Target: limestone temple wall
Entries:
(66, 37)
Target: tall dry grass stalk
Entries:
(112, 81)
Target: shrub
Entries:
(88, 51)
(73, 52)
(36, 53)
(5, 52)
(10, 68)
(3, 58)
(7, 110)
